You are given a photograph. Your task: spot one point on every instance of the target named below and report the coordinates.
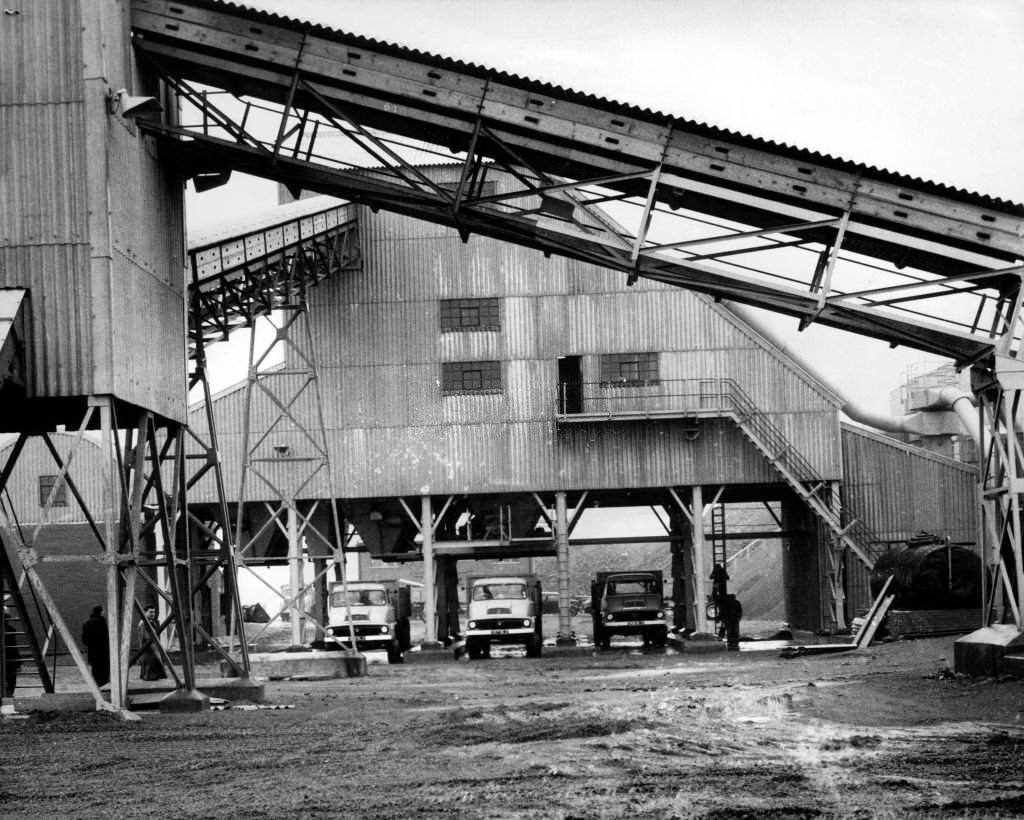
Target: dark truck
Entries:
(628, 603)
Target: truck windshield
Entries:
(359, 597)
(489, 592)
(631, 586)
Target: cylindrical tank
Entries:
(930, 576)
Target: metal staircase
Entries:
(18, 627)
(800, 475)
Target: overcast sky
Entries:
(928, 88)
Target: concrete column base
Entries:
(562, 641)
(185, 700)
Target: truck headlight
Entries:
(384, 630)
(661, 614)
(471, 624)
(609, 617)
(526, 621)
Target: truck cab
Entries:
(503, 609)
(628, 603)
(376, 612)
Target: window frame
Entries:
(46, 484)
(454, 378)
(647, 369)
(453, 315)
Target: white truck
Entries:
(503, 609)
(376, 611)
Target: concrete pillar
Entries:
(700, 577)
(429, 586)
(565, 636)
(298, 616)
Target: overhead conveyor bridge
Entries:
(822, 239)
(251, 273)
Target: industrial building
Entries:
(484, 381)
(476, 349)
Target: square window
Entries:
(629, 370)
(467, 378)
(46, 485)
(469, 315)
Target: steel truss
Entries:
(139, 537)
(290, 462)
(820, 239)
(235, 281)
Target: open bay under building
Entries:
(479, 397)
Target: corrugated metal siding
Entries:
(898, 490)
(41, 53)
(35, 461)
(381, 349)
(90, 224)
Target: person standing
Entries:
(97, 647)
(732, 612)
(151, 667)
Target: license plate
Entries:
(499, 631)
(633, 623)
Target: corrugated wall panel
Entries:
(35, 460)
(381, 351)
(95, 218)
(41, 53)
(899, 491)
(61, 326)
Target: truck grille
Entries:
(499, 623)
(634, 615)
(361, 630)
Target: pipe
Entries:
(947, 398)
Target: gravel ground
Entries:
(888, 732)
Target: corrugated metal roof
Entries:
(692, 126)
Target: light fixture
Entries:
(130, 107)
(282, 449)
(208, 181)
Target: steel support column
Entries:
(429, 592)
(565, 636)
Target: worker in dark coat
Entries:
(97, 647)
(731, 613)
(719, 578)
(151, 667)
(12, 658)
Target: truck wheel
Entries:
(533, 647)
(661, 636)
(395, 654)
(474, 649)
(606, 640)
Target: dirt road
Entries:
(885, 733)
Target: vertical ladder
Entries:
(718, 551)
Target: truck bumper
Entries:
(633, 627)
(501, 635)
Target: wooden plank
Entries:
(867, 632)
(872, 619)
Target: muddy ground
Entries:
(888, 732)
